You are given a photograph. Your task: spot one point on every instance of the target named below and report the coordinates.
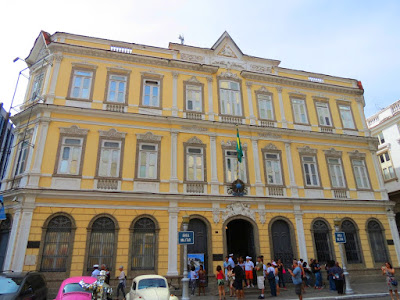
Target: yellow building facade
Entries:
(116, 142)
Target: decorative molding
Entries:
(356, 154)
(333, 152)
(232, 144)
(307, 150)
(175, 74)
(279, 89)
(261, 215)
(151, 73)
(249, 84)
(216, 213)
(270, 146)
(194, 140)
(112, 133)
(58, 57)
(269, 135)
(193, 79)
(227, 52)
(261, 69)
(192, 57)
(194, 128)
(209, 78)
(149, 136)
(262, 89)
(238, 208)
(228, 75)
(74, 130)
(84, 64)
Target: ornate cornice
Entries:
(193, 79)
(333, 152)
(149, 136)
(270, 146)
(307, 150)
(228, 75)
(356, 154)
(73, 130)
(194, 128)
(195, 140)
(112, 133)
(238, 208)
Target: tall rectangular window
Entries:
(70, 156)
(231, 102)
(273, 169)
(231, 167)
(346, 116)
(360, 173)
(37, 86)
(22, 157)
(336, 172)
(381, 138)
(194, 98)
(194, 164)
(310, 170)
(117, 88)
(387, 166)
(110, 158)
(265, 107)
(324, 115)
(151, 94)
(148, 160)
(299, 111)
(81, 84)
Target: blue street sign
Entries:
(186, 237)
(340, 237)
(2, 212)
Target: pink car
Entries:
(71, 290)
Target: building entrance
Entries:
(240, 238)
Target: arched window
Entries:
(352, 245)
(144, 244)
(5, 228)
(322, 241)
(377, 242)
(101, 243)
(56, 244)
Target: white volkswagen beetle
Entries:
(150, 287)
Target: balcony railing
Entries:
(230, 119)
(121, 49)
(326, 129)
(275, 191)
(340, 194)
(107, 184)
(267, 123)
(115, 107)
(195, 188)
(193, 115)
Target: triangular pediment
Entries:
(39, 49)
(225, 46)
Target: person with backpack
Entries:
(260, 276)
(271, 279)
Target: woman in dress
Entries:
(220, 282)
(231, 279)
(202, 280)
(281, 272)
(388, 271)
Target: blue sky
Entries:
(356, 39)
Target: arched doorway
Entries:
(377, 242)
(5, 228)
(240, 238)
(282, 242)
(200, 246)
(322, 241)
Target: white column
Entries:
(293, 186)
(256, 159)
(214, 174)
(173, 186)
(298, 214)
(53, 82)
(395, 234)
(173, 239)
(378, 172)
(175, 93)
(250, 102)
(12, 239)
(281, 107)
(210, 99)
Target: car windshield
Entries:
(9, 285)
(74, 287)
(152, 283)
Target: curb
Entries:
(355, 296)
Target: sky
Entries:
(348, 38)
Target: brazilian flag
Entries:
(239, 149)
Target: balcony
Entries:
(115, 107)
(267, 123)
(195, 188)
(340, 194)
(326, 129)
(194, 115)
(231, 119)
(107, 184)
(275, 191)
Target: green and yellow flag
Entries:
(239, 149)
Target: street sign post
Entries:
(186, 237)
(340, 237)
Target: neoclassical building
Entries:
(117, 141)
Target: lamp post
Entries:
(348, 290)
(185, 279)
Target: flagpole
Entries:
(237, 148)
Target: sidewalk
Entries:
(376, 290)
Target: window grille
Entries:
(377, 242)
(322, 241)
(352, 245)
(143, 244)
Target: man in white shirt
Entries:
(122, 282)
(96, 271)
(248, 267)
(230, 261)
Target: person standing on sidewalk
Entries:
(121, 282)
(220, 282)
(226, 264)
(202, 280)
(260, 277)
(238, 272)
(336, 273)
(317, 273)
(391, 282)
(271, 279)
(281, 273)
(296, 278)
(248, 267)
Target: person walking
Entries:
(281, 273)
(238, 272)
(317, 273)
(336, 273)
(231, 279)
(248, 267)
(96, 271)
(271, 279)
(220, 282)
(202, 280)
(121, 282)
(193, 279)
(388, 271)
(260, 276)
(296, 278)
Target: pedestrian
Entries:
(238, 272)
(220, 282)
(104, 268)
(193, 279)
(307, 273)
(96, 271)
(260, 276)
(202, 280)
(241, 264)
(336, 273)
(391, 281)
(317, 272)
(248, 267)
(226, 264)
(330, 264)
(231, 279)
(303, 275)
(121, 282)
(296, 278)
(231, 262)
(271, 279)
(275, 265)
(281, 273)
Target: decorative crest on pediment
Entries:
(74, 130)
(357, 155)
(238, 208)
(232, 144)
(193, 79)
(307, 150)
(112, 133)
(262, 89)
(270, 146)
(149, 136)
(227, 51)
(261, 69)
(333, 152)
(228, 75)
(194, 140)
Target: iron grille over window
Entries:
(377, 242)
(322, 241)
(144, 244)
(56, 245)
(102, 242)
(352, 245)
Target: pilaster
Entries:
(173, 239)
(281, 107)
(210, 98)
(395, 234)
(173, 186)
(214, 175)
(293, 186)
(256, 159)
(298, 214)
(378, 172)
(175, 76)
(56, 69)
(250, 102)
